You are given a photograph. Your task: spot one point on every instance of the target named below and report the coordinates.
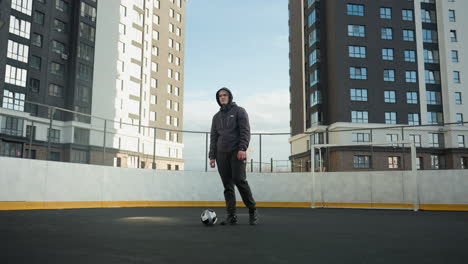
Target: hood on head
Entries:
(229, 93)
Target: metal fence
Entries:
(38, 131)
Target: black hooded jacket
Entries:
(230, 128)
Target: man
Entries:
(230, 137)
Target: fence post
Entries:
(104, 143)
(372, 150)
(415, 177)
(403, 148)
(206, 152)
(51, 114)
(31, 132)
(312, 165)
(154, 149)
(260, 167)
(251, 165)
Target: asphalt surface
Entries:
(285, 235)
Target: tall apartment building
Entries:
(369, 64)
(104, 58)
(139, 61)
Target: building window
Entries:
(452, 15)
(390, 118)
(12, 126)
(428, 16)
(416, 139)
(36, 40)
(35, 62)
(434, 118)
(311, 18)
(389, 75)
(23, 6)
(431, 56)
(389, 97)
(79, 156)
(361, 162)
(453, 36)
(435, 162)
(419, 163)
(359, 95)
(410, 55)
(433, 98)
(81, 136)
(60, 26)
(54, 135)
(58, 47)
(413, 119)
(61, 5)
(38, 17)
(356, 73)
(359, 117)
(356, 31)
(387, 54)
(15, 76)
(87, 32)
(11, 149)
(361, 137)
(355, 10)
(463, 162)
(411, 97)
(410, 76)
(313, 77)
(356, 51)
(456, 77)
(432, 77)
(407, 14)
(315, 98)
(386, 33)
(459, 117)
(20, 27)
(315, 118)
(435, 140)
(88, 12)
(14, 101)
(429, 36)
(461, 141)
(17, 51)
(85, 52)
(57, 68)
(313, 58)
(34, 85)
(54, 156)
(454, 56)
(312, 37)
(385, 13)
(458, 98)
(408, 35)
(85, 72)
(393, 162)
(55, 90)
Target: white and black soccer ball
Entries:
(208, 217)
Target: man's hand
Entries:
(241, 155)
(212, 163)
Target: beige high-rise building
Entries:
(138, 79)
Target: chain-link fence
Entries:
(38, 131)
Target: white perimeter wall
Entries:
(35, 180)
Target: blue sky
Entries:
(243, 45)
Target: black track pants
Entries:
(232, 172)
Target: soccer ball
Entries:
(208, 217)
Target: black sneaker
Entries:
(230, 220)
(253, 217)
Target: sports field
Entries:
(176, 235)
